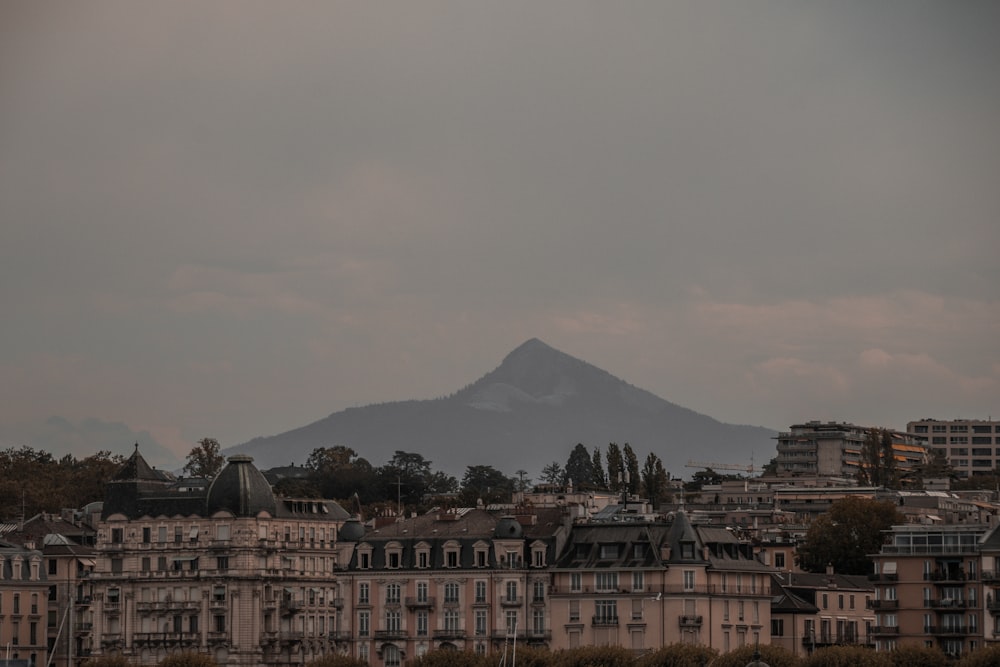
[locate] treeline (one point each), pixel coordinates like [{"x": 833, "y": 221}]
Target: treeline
[
  {"x": 671, "y": 655},
  {"x": 33, "y": 481}
]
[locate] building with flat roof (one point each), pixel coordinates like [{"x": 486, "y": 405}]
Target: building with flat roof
[
  {"x": 834, "y": 449},
  {"x": 970, "y": 445}
]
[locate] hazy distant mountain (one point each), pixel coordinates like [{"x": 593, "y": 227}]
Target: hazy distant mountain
[{"x": 532, "y": 410}]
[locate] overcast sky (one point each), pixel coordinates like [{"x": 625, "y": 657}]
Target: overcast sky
[{"x": 230, "y": 219}]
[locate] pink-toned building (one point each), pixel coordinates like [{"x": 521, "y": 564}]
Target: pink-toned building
[
  {"x": 643, "y": 585},
  {"x": 23, "y": 603}
]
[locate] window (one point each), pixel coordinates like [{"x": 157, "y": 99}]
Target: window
[
  {"x": 364, "y": 593},
  {"x": 421, "y": 623},
  {"x": 423, "y": 558},
  {"x": 779, "y": 559},
  {"x": 451, "y": 620},
  {"x": 116, "y": 565},
  {"x": 451, "y": 559},
  {"x": 538, "y": 592},
  {"x": 575, "y": 582},
  {"x": 145, "y": 564},
  {"x": 480, "y": 622},
  {"x": 394, "y": 560},
  {"x": 451, "y": 592},
  {"x": 117, "y": 535},
  {"x": 146, "y": 535},
  {"x": 221, "y": 532},
  {"x": 364, "y": 623},
  {"x": 480, "y": 557},
  {"x": 689, "y": 580},
  {"x": 219, "y": 622},
  {"x": 219, "y": 594},
  {"x": 606, "y": 581},
  {"x": 480, "y": 591},
  {"x": 574, "y": 610},
  {"x": 392, "y": 594},
  {"x": 638, "y": 582},
  {"x": 609, "y": 551},
  {"x": 777, "y": 627},
  {"x": 510, "y": 622},
  {"x": 538, "y": 621},
  {"x": 421, "y": 591},
  {"x": 222, "y": 563},
  {"x": 364, "y": 560},
  {"x": 606, "y": 612},
  {"x": 393, "y": 619}
]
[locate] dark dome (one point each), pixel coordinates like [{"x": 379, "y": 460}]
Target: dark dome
[
  {"x": 351, "y": 531},
  {"x": 241, "y": 489},
  {"x": 508, "y": 527}
]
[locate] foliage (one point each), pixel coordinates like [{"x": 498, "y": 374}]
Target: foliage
[
  {"x": 204, "y": 460},
  {"x": 408, "y": 479},
  {"x": 486, "y": 483},
  {"x": 775, "y": 656},
  {"x": 917, "y": 656},
  {"x": 616, "y": 468},
  {"x": 846, "y": 534},
  {"x": 593, "y": 656},
  {"x": 445, "y": 658},
  {"x": 847, "y": 656},
  {"x": 678, "y": 655},
  {"x": 552, "y": 473},
  {"x": 188, "y": 659},
  {"x": 337, "y": 661},
  {"x": 631, "y": 462},
  {"x": 878, "y": 464},
  {"x": 655, "y": 480},
  {"x": 108, "y": 661},
  {"x": 597, "y": 469},
  {"x": 984, "y": 657},
  {"x": 580, "y": 468},
  {"x": 32, "y": 481},
  {"x": 338, "y": 472}
]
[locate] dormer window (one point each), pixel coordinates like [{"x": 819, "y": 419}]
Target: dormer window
[
  {"x": 687, "y": 550},
  {"x": 609, "y": 551},
  {"x": 394, "y": 556}
]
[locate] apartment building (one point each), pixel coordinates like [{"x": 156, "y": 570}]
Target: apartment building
[
  {"x": 465, "y": 579},
  {"x": 929, "y": 587},
  {"x": 23, "y": 604},
  {"x": 833, "y": 449},
  {"x": 642, "y": 585},
  {"x": 970, "y": 445},
  {"x": 815, "y": 610},
  {"x": 228, "y": 569}
]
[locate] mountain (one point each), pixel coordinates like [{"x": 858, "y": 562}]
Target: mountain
[{"x": 531, "y": 410}]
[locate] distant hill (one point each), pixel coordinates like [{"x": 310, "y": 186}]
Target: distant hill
[{"x": 531, "y": 410}]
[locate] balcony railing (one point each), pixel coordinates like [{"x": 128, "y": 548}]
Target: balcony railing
[
  {"x": 419, "y": 602},
  {"x": 690, "y": 621},
  {"x": 516, "y": 601},
  {"x": 946, "y": 630},
  {"x": 604, "y": 621},
  {"x": 946, "y": 604},
  {"x": 397, "y": 633},
  {"x": 885, "y": 630},
  {"x": 883, "y": 604}
]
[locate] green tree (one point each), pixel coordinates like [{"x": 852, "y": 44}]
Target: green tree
[
  {"x": 593, "y": 656},
  {"x": 553, "y": 473},
  {"x": 204, "y": 460},
  {"x": 655, "y": 480},
  {"x": 616, "y": 468},
  {"x": 631, "y": 464},
  {"x": 580, "y": 468},
  {"x": 338, "y": 472},
  {"x": 188, "y": 659},
  {"x": 845, "y": 536},
  {"x": 678, "y": 655},
  {"x": 486, "y": 483},
  {"x": 600, "y": 479},
  {"x": 448, "y": 658}
]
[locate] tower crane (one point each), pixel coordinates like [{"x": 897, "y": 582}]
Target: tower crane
[{"x": 748, "y": 469}]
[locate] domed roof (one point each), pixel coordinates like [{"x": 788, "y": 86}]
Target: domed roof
[
  {"x": 351, "y": 531},
  {"x": 241, "y": 489},
  {"x": 508, "y": 527}
]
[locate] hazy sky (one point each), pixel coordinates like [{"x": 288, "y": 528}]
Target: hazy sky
[{"x": 230, "y": 219}]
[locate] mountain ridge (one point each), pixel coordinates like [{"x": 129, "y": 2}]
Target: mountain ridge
[{"x": 533, "y": 408}]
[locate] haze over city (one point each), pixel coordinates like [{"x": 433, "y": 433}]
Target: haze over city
[{"x": 231, "y": 219}]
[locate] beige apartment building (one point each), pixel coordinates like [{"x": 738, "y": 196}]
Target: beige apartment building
[
  {"x": 816, "y": 610},
  {"x": 833, "y": 449},
  {"x": 233, "y": 571},
  {"x": 643, "y": 585},
  {"x": 970, "y": 445}
]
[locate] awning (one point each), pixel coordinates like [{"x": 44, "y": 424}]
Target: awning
[
  {"x": 194, "y": 532},
  {"x": 87, "y": 562},
  {"x": 184, "y": 559},
  {"x": 889, "y": 568}
]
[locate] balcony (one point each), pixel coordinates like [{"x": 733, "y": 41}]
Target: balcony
[
  {"x": 883, "y": 604},
  {"x": 993, "y": 604},
  {"x": 947, "y": 604},
  {"x": 172, "y": 638},
  {"x": 84, "y": 628},
  {"x": 885, "y": 630},
  {"x": 690, "y": 621},
  {"x": 290, "y": 637},
  {"x": 511, "y": 601},
  {"x": 290, "y": 606},
  {"x": 604, "y": 621},
  {"x": 882, "y": 576},
  {"x": 953, "y": 630},
  {"x": 950, "y": 576},
  {"x": 449, "y": 635},
  {"x": 218, "y": 637},
  {"x": 83, "y": 601},
  {"x": 419, "y": 602},
  {"x": 111, "y": 638},
  {"x": 340, "y": 635},
  {"x": 396, "y": 633},
  {"x": 337, "y": 603}
]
